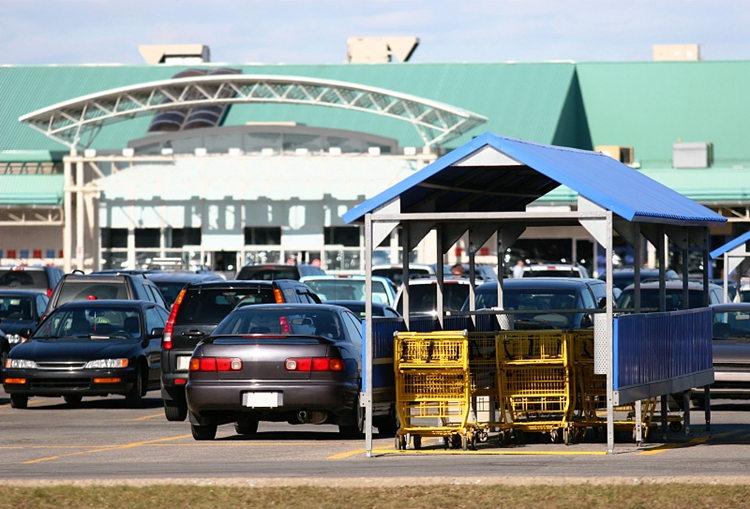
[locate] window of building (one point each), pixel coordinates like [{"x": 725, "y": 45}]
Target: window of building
[
  {"x": 114, "y": 237},
  {"x": 262, "y": 235},
  {"x": 221, "y": 143},
  {"x": 186, "y": 237},
  {"x": 347, "y": 145},
  {"x": 307, "y": 141},
  {"x": 147, "y": 237},
  {"x": 256, "y": 142},
  {"x": 347, "y": 236}
]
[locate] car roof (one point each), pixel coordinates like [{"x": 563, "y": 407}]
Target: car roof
[
  {"x": 671, "y": 284},
  {"x": 20, "y": 293},
  {"x": 340, "y": 302},
  {"x": 725, "y": 307},
  {"x": 541, "y": 283},
  {"x": 401, "y": 266},
  {"x": 105, "y": 276},
  {"x": 238, "y": 283},
  {"x": 342, "y": 277},
  {"x": 276, "y": 307},
  {"x": 105, "y": 303},
  {"x": 182, "y": 276},
  {"x": 431, "y": 280}
]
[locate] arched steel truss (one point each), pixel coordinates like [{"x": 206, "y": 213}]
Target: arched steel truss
[{"x": 76, "y": 122}]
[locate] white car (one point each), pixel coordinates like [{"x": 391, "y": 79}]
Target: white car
[
  {"x": 351, "y": 287},
  {"x": 554, "y": 270},
  {"x": 423, "y": 296}
]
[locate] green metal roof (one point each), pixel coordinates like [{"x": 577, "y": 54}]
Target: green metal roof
[
  {"x": 31, "y": 189},
  {"x": 651, "y": 105},
  {"x": 520, "y": 100}
]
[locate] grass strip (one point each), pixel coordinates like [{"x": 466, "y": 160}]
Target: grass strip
[{"x": 663, "y": 496}]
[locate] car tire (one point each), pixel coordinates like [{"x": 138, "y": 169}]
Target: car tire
[
  {"x": 134, "y": 399},
  {"x": 203, "y": 432},
  {"x": 19, "y": 401},
  {"x": 389, "y": 424},
  {"x": 175, "y": 410},
  {"x": 3, "y": 357},
  {"x": 356, "y": 430},
  {"x": 73, "y": 400},
  {"x": 246, "y": 427}
]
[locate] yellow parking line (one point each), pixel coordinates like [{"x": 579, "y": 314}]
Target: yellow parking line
[
  {"x": 106, "y": 449},
  {"x": 494, "y": 453},
  {"x": 160, "y": 414},
  {"x": 346, "y": 454}
]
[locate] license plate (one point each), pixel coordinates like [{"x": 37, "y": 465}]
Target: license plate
[
  {"x": 262, "y": 399},
  {"x": 183, "y": 362}
]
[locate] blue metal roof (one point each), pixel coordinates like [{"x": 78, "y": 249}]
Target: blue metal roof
[
  {"x": 444, "y": 186},
  {"x": 719, "y": 251}
]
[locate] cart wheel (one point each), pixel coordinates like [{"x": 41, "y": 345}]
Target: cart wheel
[
  {"x": 473, "y": 443},
  {"x": 567, "y": 436},
  {"x": 417, "y": 441},
  {"x": 555, "y": 436},
  {"x": 675, "y": 426},
  {"x": 400, "y": 442},
  {"x": 455, "y": 441},
  {"x": 519, "y": 437},
  {"x": 464, "y": 442}
]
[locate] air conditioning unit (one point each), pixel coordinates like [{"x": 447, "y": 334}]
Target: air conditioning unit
[
  {"x": 622, "y": 154},
  {"x": 692, "y": 155}
]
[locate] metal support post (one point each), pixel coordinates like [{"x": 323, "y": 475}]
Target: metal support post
[
  {"x": 610, "y": 339},
  {"x": 686, "y": 404},
  {"x": 68, "y": 214},
  {"x": 638, "y": 422},
  {"x": 80, "y": 218},
  {"x": 440, "y": 278},
  {"x": 664, "y": 415},
  {"x": 707, "y": 403},
  {"x": 368, "y": 335}
]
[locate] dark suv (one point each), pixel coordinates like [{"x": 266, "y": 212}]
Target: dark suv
[
  {"x": 197, "y": 311},
  {"x": 22, "y": 277},
  {"x": 267, "y": 272},
  {"x": 74, "y": 287}
]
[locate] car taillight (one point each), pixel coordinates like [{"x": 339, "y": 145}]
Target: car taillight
[
  {"x": 314, "y": 364},
  {"x": 278, "y": 296},
  {"x": 215, "y": 364},
  {"x": 166, "y": 342},
  {"x": 284, "y": 326}
]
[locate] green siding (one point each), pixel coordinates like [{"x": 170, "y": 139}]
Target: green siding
[
  {"x": 31, "y": 189},
  {"x": 651, "y": 105}
]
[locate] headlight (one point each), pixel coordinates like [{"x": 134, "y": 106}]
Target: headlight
[
  {"x": 20, "y": 364},
  {"x": 14, "y": 339},
  {"x": 106, "y": 364}
]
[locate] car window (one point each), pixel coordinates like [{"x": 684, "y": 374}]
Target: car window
[
  {"x": 354, "y": 326},
  {"x": 157, "y": 295},
  {"x": 153, "y": 319},
  {"x": 211, "y": 305},
  {"x": 423, "y": 298},
  {"x": 15, "y": 278},
  {"x": 170, "y": 290},
  {"x": 72, "y": 290},
  {"x": 589, "y": 301},
  {"x": 13, "y": 307}
]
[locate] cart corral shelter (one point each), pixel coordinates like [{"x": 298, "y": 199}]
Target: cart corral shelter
[
  {"x": 272, "y": 176},
  {"x": 484, "y": 188}
]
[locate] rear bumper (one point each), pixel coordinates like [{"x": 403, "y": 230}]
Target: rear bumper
[
  {"x": 65, "y": 383},
  {"x": 727, "y": 385},
  {"x": 336, "y": 398}
]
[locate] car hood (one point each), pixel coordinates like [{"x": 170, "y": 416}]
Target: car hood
[
  {"x": 728, "y": 351},
  {"x": 78, "y": 349}
]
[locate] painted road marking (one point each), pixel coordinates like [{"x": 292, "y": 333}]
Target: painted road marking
[
  {"x": 106, "y": 449},
  {"x": 144, "y": 418}
]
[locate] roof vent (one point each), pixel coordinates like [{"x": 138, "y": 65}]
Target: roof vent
[
  {"x": 179, "y": 54},
  {"x": 622, "y": 154},
  {"x": 692, "y": 155},
  {"x": 367, "y": 50}
]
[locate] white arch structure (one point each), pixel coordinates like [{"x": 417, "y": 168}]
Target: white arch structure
[{"x": 77, "y": 121}]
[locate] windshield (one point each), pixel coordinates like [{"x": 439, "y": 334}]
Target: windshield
[
  {"x": 72, "y": 290},
  {"x": 282, "y": 321},
  {"x": 732, "y": 325},
  {"x": 541, "y": 305},
  {"x": 94, "y": 323},
  {"x": 423, "y": 298},
  {"x": 16, "y": 278},
  {"x": 15, "y": 308},
  {"x": 650, "y": 298},
  {"x": 347, "y": 289}
]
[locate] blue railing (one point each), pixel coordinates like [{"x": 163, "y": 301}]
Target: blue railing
[{"x": 655, "y": 348}]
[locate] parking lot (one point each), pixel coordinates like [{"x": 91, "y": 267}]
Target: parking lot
[{"x": 102, "y": 440}]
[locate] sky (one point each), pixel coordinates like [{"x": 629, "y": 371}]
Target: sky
[{"x": 37, "y": 32}]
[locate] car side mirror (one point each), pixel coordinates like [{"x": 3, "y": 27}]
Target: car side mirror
[
  {"x": 156, "y": 332},
  {"x": 602, "y": 303},
  {"x": 25, "y": 334},
  {"x": 587, "y": 321}
]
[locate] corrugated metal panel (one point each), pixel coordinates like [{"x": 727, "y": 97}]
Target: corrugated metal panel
[
  {"x": 730, "y": 245},
  {"x": 31, "y": 189},
  {"x": 520, "y": 100},
  {"x": 651, "y": 105}
]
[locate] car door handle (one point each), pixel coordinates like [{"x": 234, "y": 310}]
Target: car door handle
[{"x": 193, "y": 333}]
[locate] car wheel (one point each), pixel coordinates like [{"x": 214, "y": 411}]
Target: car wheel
[
  {"x": 3, "y": 357},
  {"x": 203, "y": 432},
  {"x": 246, "y": 427},
  {"x": 357, "y": 429},
  {"x": 73, "y": 400},
  {"x": 390, "y": 424},
  {"x": 134, "y": 399},
  {"x": 19, "y": 401},
  {"x": 175, "y": 410}
]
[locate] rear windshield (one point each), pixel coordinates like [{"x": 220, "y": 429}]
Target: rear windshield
[
  {"x": 72, "y": 290},
  {"x": 23, "y": 278},
  {"x": 212, "y": 305},
  {"x": 268, "y": 273},
  {"x": 283, "y": 321},
  {"x": 531, "y": 299},
  {"x": 423, "y": 298},
  {"x": 650, "y": 298},
  {"x": 347, "y": 289},
  {"x": 396, "y": 274},
  {"x": 16, "y": 308}
]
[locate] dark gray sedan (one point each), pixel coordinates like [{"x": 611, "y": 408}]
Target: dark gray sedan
[
  {"x": 731, "y": 351},
  {"x": 297, "y": 363}
]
